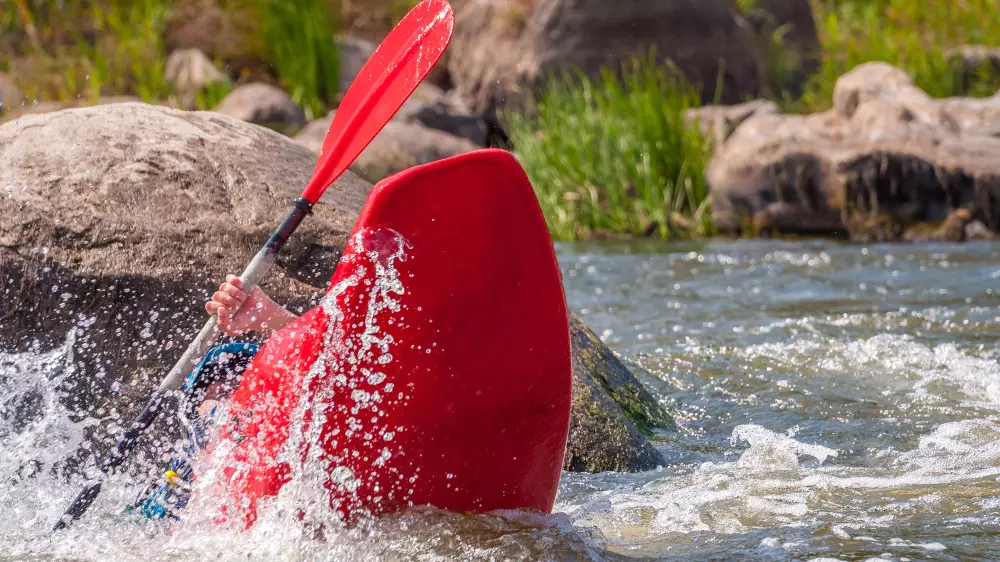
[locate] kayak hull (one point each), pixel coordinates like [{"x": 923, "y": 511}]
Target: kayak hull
[{"x": 437, "y": 371}]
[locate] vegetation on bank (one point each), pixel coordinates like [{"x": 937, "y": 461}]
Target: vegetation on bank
[
  {"x": 605, "y": 155},
  {"x": 915, "y": 36},
  {"x": 614, "y": 155},
  {"x": 65, "y": 51}
]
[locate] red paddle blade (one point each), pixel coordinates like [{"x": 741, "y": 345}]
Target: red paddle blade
[{"x": 396, "y": 68}]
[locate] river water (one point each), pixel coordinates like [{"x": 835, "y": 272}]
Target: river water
[{"x": 834, "y": 402}]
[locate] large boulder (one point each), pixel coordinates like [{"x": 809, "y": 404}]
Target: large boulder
[
  {"x": 887, "y": 162},
  {"x": 503, "y": 49},
  {"x": 786, "y": 33},
  {"x": 117, "y": 223}
]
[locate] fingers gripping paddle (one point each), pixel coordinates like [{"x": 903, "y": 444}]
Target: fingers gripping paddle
[{"x": 396, "y": 68}]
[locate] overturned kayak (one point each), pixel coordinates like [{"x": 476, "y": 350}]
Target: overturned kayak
[{"x": 436, "y": 370}]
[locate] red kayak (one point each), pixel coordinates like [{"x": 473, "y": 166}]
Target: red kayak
[{"x": 436, "y": 371}]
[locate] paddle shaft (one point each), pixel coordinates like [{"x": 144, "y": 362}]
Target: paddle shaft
[{"x": 251, "y": 276}]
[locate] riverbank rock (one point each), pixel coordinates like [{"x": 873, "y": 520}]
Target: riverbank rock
[
  {"x": 502, "y": 49},
  {"x": 223, "y": 32},
  {"x": 444, "y": 111},
  {"x": 786, "y": 33},
  {"x": 886, "y": 162},
  {"x": 120, "y": 238},
  {"x": 10, "y": 96},
  {"x": 266, "y": 105},
  {"x": 403, "y": 145},
  {"x": 189, "y": 71},
  {"x": 398, "y": 146},
  {"x": 717, "y": 122},
  {"x": 354, "y": 53}
]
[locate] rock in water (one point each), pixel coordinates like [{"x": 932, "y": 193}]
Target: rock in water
[
  {"x": 119, "y": 221},
  {"x": 602, "y": 436}
]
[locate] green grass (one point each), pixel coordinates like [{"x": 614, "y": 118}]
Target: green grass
[
  {"x": 68, "y": 51},
  {"x": 609, "y": 155},
  {"x": 299, "y": 36},
  {"x": 64, "y": 51},
  {"x": 133, "y": 63},
  {"x": 613, "y": 156},
  {"x": 911, "y": 34}
]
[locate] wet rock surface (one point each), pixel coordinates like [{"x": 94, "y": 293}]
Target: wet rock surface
[
  {"x": 887, "y": 162},
  {"x": 611, "y": 413},
  {"x": 121, "y": 237}
]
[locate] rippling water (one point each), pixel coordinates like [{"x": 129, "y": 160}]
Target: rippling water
[{"x": 834, "y": 402}]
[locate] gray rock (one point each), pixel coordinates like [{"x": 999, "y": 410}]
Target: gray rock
[
  {"x": 503, "y": 49},
  {"x": 398, "y": 146},
  {"x": 266, "y": 105},
  {"x": 717, "y": 122},
  {"x": 117, "y": 222},
  {"x": 403, "y": 145},
  {"x": 444, "y": 112},
  {"x": 354, "y": 53},
  {"x": 887, "y": 162},
  {"x": 120, "y": 220},
  {"x": 189, "y": 71},
  {"x": 786, "y": 33}
]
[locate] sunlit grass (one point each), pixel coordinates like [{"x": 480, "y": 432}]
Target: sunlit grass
[
  {"x": 300, "y": 38},
  {"x": 911, "y": 34},
  {"x": 616, "y": 154}
]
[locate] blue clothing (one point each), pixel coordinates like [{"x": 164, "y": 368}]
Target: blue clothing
[{"x": 222, "y": 364}]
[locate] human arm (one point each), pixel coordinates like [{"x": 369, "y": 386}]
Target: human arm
[{"x": 258, "y": 312}]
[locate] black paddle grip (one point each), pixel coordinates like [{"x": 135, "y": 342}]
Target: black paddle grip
[{"x": 300, "y": 208}]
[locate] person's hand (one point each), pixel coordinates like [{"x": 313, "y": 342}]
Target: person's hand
[{"x": 256, "y": 311}]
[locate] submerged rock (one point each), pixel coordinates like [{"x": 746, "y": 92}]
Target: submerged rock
[
  {"x": 119, "y": 221},
  {"x": 604, "y": 437},
  {"x": 887, "y": 162}
]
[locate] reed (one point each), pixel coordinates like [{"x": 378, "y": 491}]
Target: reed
[{"x": 615, "y": 154}]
